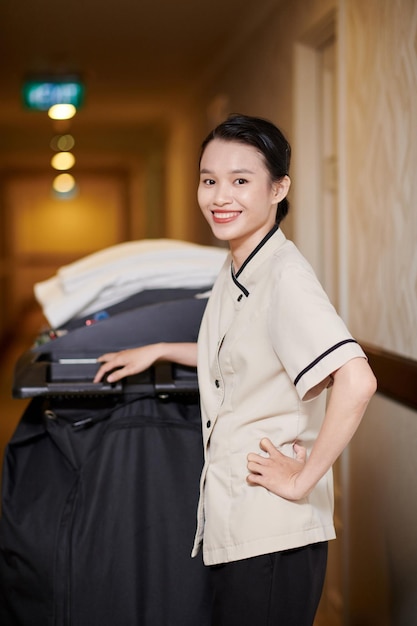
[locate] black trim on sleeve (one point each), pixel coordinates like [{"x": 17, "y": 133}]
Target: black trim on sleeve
[{"x": 322, "y": 356}]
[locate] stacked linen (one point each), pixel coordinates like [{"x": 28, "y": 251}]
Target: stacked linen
[{"x": 107, "y": 277}]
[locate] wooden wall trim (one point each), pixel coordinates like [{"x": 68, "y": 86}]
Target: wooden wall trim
[{"x": 396, "y": 375}]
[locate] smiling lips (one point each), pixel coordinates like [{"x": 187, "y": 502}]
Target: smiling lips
[{"x": 221, "y": 217}]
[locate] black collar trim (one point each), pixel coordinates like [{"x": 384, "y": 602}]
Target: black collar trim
[
  {"x": 238, "y": 284},
  {"x": 256, "y": 250}
]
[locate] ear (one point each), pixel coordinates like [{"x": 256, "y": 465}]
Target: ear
[{"x": 281, "y": 188}]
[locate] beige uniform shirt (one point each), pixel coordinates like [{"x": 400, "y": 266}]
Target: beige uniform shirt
[{"x": 268, "y": 343}]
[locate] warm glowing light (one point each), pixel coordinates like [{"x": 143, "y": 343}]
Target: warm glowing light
[
  {"x": 63, "y": 161},
  {"x": 62, "y": 111},
  {"x": 63, "y": 183},
  {"x": 62, "y": 142}
]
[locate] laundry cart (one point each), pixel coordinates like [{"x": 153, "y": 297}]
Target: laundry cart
[{"x": 100, "y": 480}]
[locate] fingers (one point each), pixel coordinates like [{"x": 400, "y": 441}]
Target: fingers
[
  {"x": 267, "y": 446},
  {"x": 257, "y": 460},
  {"x": 110, "y": 362},
  {"x": 106, "y": 357},
  {"x": 256, "y": 463},
  {"x": 107, "y": 367},
  {"x": 300, "y": 452},
  {"x": 256, "y": 479},
  {"x": 126, "y": 362},
  {"x": 275, "y": 471},
  {"x": 260, "y": 466}
]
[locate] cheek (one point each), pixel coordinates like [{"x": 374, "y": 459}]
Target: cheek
[{"x": 202, "y": 197}]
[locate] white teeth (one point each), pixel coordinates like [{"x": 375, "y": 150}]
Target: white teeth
[{"x": 225, "y": 216}]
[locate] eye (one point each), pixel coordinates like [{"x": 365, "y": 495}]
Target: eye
[
  {"x": 208, "y": 181},
  {"x": 241, "y": 181}
]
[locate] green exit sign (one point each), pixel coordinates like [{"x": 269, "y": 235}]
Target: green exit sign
[{"x": 40, "y": 95}]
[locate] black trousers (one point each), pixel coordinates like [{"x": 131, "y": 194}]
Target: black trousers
[{"x": 279, "y": 589}]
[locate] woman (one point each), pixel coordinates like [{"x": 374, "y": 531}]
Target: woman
[{"x": 270, "y": 343}]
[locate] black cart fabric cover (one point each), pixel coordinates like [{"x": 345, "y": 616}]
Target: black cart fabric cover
[{"x": 99, "y": 495}]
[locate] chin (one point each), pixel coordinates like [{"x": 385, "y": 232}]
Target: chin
[{"x": 221, "y": 235}]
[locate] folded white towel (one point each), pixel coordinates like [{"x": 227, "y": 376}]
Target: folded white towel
[{"x": 109, "y": 276}]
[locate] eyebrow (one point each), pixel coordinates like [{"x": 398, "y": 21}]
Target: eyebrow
[{"x": 237, "y": 171}]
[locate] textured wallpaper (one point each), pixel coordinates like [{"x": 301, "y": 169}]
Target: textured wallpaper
[{"x": 382, "y": 172}]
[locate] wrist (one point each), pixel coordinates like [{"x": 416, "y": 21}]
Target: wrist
[
  {"x": 302, "y": 485},
  {"x": 161, "y": 351}
]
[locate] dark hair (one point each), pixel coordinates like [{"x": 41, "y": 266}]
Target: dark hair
[{"x": 266, "y": 138}]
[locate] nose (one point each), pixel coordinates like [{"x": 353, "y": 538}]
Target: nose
[{"x": 222, "y": 194}]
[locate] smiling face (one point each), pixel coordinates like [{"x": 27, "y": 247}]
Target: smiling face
[{"x": 236, "y": 195}]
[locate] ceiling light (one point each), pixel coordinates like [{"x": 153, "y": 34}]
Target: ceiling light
[
  {"x": 62, "y": 142},
  {"x": 63, "y": 183},
  {"x": 63, "y": 161},
  {"x": 62, "y": 111}
]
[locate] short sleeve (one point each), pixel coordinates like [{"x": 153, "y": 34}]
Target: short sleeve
[{"x": 309, "y": 337}]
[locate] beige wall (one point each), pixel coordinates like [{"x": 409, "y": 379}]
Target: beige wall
[
  {"x": 381, "y": 192},
  {"x": 382, "y": 162}
]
